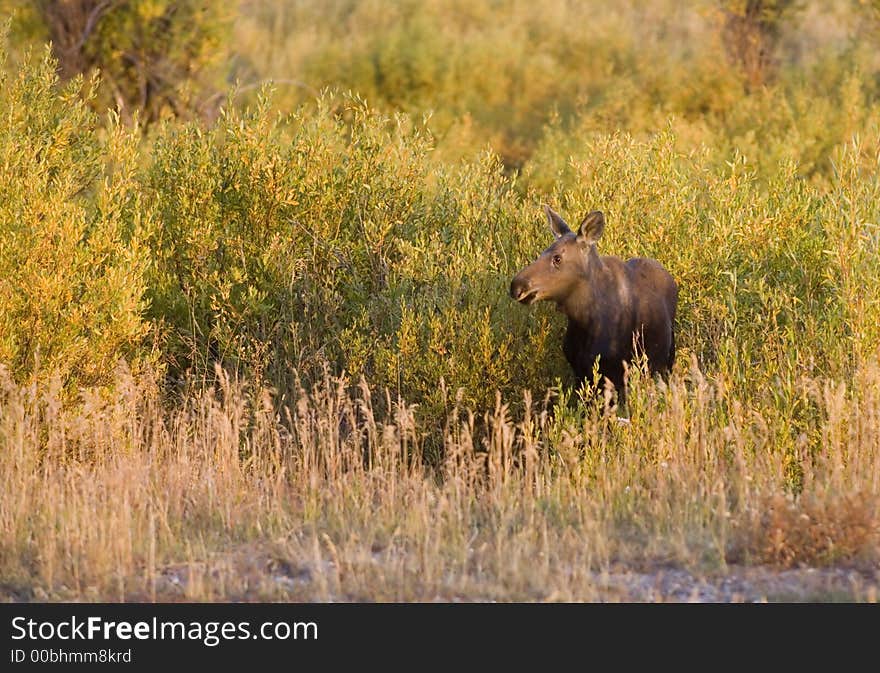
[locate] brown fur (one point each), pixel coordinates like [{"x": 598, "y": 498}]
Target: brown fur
[{"x": 613, "y": 307}]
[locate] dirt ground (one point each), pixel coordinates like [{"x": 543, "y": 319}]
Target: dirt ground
[
  {"x": 744, "y": 584},
  {"x": 257, "y": 574},
  {"x": 266, "y": 577}
]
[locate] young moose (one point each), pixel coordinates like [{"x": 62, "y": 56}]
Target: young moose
[{"x": 613, "y": 307}]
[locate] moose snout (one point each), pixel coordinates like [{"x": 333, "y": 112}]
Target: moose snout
[{"x": 520, "y": 288}]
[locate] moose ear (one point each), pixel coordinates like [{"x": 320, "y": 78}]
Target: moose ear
[
  {"x": 592, "y": 227},
  {"x": 557, "y": 224}
]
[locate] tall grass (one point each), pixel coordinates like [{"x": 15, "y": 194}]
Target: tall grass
[{"x": 224, "y": 497}]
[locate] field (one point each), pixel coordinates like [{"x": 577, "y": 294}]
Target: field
[{"x": 256, "y": 341}]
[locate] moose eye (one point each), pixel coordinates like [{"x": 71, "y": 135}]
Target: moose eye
[{"x": 557, "y": 260}]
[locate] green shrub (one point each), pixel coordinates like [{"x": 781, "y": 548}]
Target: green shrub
[
  {"x": 331, "y": 239},
  {"x": 71, "y": 217},
  {"x": 489, "y": 72},
  {"x": 335, "y": 237}
]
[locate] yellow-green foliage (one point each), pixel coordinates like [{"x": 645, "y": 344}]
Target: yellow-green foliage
[
  {"x": 278, "y": 244},
  {"x": 490, "y": 71},
  {"x": 330, "y": 238},
  {"x": 497, "y": 73},
  {"x": 71, "y": 286}
]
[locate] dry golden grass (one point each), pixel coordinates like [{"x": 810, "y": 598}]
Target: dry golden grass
[{"x": 223, "y": 497}]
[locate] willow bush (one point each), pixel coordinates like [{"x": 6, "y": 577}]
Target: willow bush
[
  {"x": 72, "y": 217},
  {"x": 328, "y": 238},
  {"x": 331, "y": 237},
  {"x": 281, "y": 245}
]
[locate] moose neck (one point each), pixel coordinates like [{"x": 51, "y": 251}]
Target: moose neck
[{"x": 580, "y": 303}]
